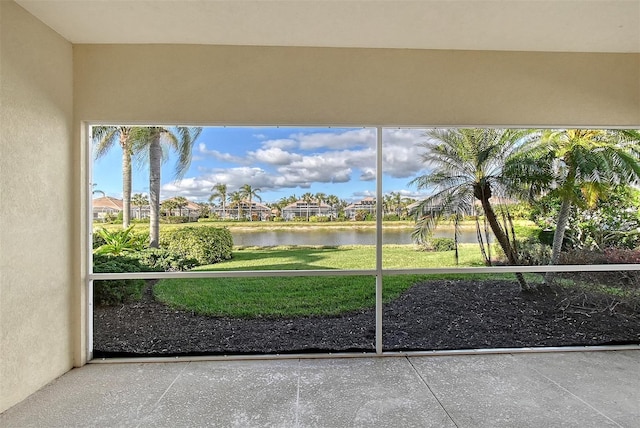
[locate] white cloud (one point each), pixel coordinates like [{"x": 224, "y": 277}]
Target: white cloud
[
  {"x": 401, "y": 155},
  {"x": 225, "y": 157},
  {"x": 368, "y": 174},
  {"x": 280, "y": 144},
  {"x": 274, "y": 156},
  {"x": 328, "y": 140}
]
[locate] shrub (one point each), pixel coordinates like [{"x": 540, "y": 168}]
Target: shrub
[
  {"x": 116, "y": 291},
  {"x": 532, "y": 252},
  {"x": 582, "y": 257},
  {"x": 208, "y": 219},
  {"x": 205, "y": 244},
  {"x": 609, "y": 256},
  {"x": 318, "y": 219},
  {"x": 440, "y": 244},
  {"x": 363, "y": 215},
  {"x": 622, "y": 256},
  {"x": 98, "y": 240},
  {"x": 174, "y": 219},
  {"x": 161, "y": 259}
]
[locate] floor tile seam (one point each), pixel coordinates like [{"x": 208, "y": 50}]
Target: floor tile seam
[
  {"x": 424, "y": 381},
  {"x": 586, "y": 403},
  {"x": 155, "y": 405},
  {"x": 297, "y": 410}
]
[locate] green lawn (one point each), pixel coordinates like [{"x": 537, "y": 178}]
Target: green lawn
[
  {"x": 305, "y": 296},
  {"x": 343, "y": 257}
]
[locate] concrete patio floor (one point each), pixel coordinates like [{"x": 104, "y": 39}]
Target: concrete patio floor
[{"x": 573, "y": 389}]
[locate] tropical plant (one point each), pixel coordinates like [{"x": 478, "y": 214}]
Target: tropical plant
[
  {"x": 613, "y": 222},
  {"x": 581, "y": 166},
  {"x": 466, "y": 165},
  {"x": 220, "y": 192},
  {"x": 152, "y": 144},
  {"x": 104, "y": 138},
  {"x": 117, "y": 242},
  {"x": 248, "y": 192},
  {"x": 94, "y": 191}
]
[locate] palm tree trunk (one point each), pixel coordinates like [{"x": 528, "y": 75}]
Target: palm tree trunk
[
  {"x": 558, "y": 236},
  {"x": 126, "y": 188},
  {"x": 502, "y": 239},
  {"x": 155, "y": 160}
]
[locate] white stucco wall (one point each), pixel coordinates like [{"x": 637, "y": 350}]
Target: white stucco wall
[{"x": 37, "y": 272}]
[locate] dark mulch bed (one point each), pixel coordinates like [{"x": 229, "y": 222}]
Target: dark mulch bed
[{"x": 436, "y": 315}]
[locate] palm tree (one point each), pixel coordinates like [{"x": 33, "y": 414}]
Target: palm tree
[
  {"x": 235, "y": 199},
  {"x": 168, "y": 206},
  {"x": 249, "y": 193},
  {"x": 387, "y": 201},
  {"x": 139, "y": 200},
  {"x": 94, "y": 191},
  {"x": 181, "y": 202},
  {"x": 398, "y": 202},
  {"x": 333, "y": 202},
  {"x": 308, "y": 198},
  {"x": 220, "y": 192},
  {"x": 155, "y": 141},
  {"x": 104, "y": 138},
  {"x": 466, "y": 165},
  {"x": 580, "y": 166},
  {"x": 321, "y": 197}
]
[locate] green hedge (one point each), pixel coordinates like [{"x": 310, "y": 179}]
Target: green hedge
[
  {"x": 174, "y": 219},
  {"x": 440, "y": 244},
  {"x": 113, "y": 292},
  {"x": 160, "y": 259},
  {"x": 205, "y": 244},
  {"x": 116, "y": 291}
]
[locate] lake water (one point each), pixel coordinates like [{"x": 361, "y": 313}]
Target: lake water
[{"x": 335, "y": 237}]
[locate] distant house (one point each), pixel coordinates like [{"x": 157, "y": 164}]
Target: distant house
[
  {"x": 105, "y": 206},
  {"x": 258, "y": 211},
  {"x": 191, "y": 210},
  {"x": 305, "y": 209},
  {"x": 367, "y": 204}
]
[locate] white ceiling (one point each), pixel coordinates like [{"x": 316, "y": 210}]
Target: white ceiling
[{"x": 521, "y": 25}]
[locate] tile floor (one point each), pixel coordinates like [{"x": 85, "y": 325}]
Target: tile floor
[{"x": 572, "y": 389}]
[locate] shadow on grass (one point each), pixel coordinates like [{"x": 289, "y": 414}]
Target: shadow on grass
[{"x": 288, "y": 258}]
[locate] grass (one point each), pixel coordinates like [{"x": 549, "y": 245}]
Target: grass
[
  {"x": 312, "y": 295},
  {"x": 292, "y": 296}
]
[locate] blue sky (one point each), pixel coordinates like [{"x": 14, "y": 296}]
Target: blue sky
[{"x": 281, "y": 161}]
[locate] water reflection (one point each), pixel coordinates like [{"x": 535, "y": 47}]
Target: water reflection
[{"x": 335, "y": 237}]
